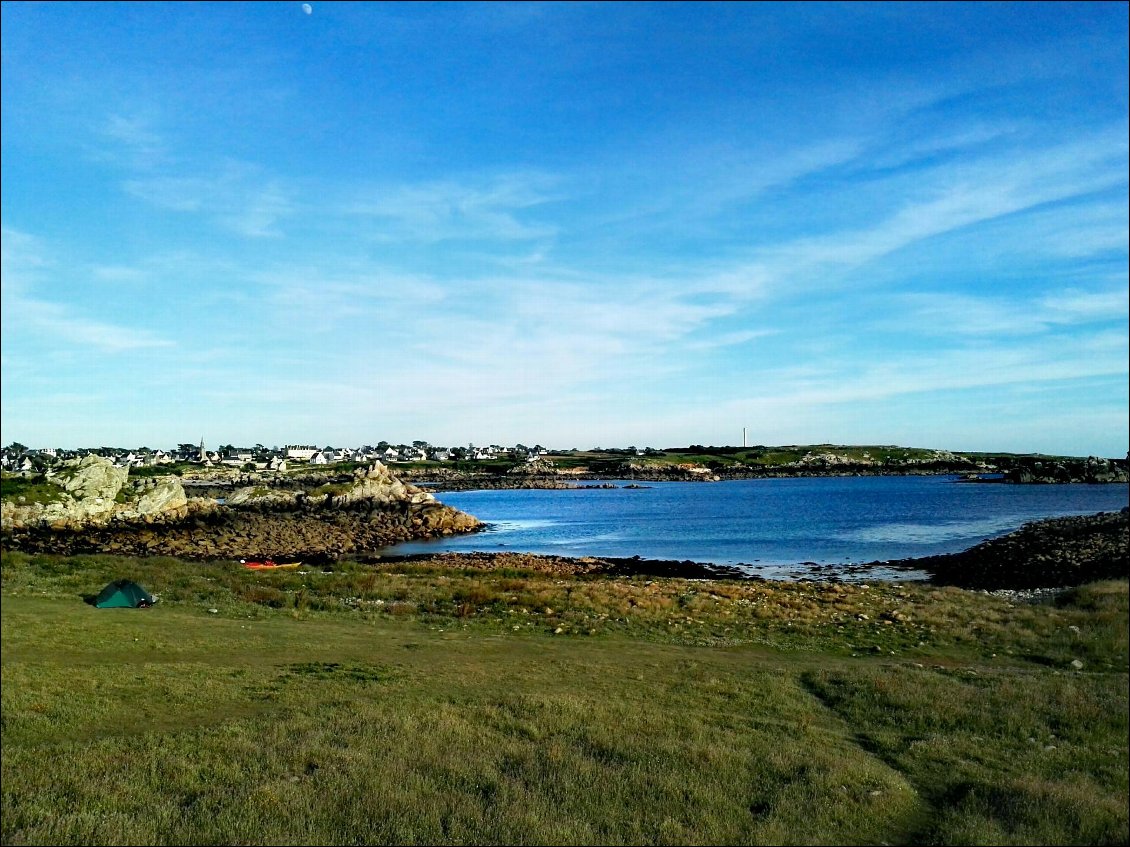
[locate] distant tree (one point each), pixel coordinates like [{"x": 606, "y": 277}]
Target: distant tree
[
  {"x": 16, "y": 447},
  {"x": 421, "y": 445}
]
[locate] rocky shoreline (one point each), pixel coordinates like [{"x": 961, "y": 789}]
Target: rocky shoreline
[
  {"x": 95, "y": 510},
  {"x": 569, "y": 566},
  {"x": 1042, "y": 555},
  {"x": 1016, "y": 470},
  {"x": 371, "y": 509},
  {"x": 307, "y": 535}
]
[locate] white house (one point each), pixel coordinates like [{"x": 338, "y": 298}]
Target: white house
[{"x": 300, "y": 452}]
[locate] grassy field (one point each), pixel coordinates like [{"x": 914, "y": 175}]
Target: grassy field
[{"x": 442, "y": 702}]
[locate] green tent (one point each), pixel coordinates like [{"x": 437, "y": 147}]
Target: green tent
[{"x": 124, "y": 593}]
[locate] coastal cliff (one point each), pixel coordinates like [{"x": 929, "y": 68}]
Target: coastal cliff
[{"x": 93, "y": 507}]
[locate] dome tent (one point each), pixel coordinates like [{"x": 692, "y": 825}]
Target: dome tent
[{"x": 123, "y": 593}]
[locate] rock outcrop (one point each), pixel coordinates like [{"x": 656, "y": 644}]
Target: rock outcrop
[
  {"x": 93, "y": 479},
  {"x": 158, "y": 499},
  {"x": 1089, "y": 470},
  {"x": 370, "y": 511},
  {"x": 830, "y": 460},
  {"x": 93, "y": 492}
]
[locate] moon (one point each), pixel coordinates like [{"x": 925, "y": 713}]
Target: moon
[{"x": 307, "y": 8}]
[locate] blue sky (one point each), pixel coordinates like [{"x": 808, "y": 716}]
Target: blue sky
[{"x": 574, "y": 224}]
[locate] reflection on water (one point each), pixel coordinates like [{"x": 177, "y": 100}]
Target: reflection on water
[{"x": 920, "y": 533}]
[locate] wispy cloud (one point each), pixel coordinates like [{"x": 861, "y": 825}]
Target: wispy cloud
[
  {"x": 946, "y": 314},
  {"x": 237, "y": 196},
  {"x": 949, "y": 198},
  {"x": 329, "y": 295},
  {"x": 119, "y": 274},
  {"x": 928, "y": 373},
  {"x": 478, "y": 208},
  {"x": 59, "y": 323},
  {"x": 1073, "y": 306},
  {"x": 22, "y": 265},
  {"x": 730, "y": 339},
  {"x": 133, "y": 142}
]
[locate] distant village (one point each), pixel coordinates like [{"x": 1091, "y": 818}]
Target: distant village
[{"x": 17, "y": 457}]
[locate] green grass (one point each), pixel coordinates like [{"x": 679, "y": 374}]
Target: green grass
[
  {"x": 330, "y": 489},
  {"x": 440, "y": 702},
  {"x": 754, "y": 457},
  {"x": 169, "y": 469},
  {"x": 27, "y": 490}
]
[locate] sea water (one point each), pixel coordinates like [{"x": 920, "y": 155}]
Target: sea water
[{"x": 764, "y": 525}]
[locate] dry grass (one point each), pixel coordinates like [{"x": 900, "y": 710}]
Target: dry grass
[{"x": 429, "y": 703}]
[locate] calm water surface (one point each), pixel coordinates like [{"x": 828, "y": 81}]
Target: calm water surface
[{"x": 765, "y": 524}]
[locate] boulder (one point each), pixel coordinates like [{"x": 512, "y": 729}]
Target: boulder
[
  {"x": 164, "y": 500},
  {"x": 93, "y": 479}
]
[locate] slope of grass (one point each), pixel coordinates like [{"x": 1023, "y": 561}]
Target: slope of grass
[{"x": 432, "y": 703}]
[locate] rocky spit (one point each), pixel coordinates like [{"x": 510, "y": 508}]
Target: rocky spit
[
  {"x": 1038, "y": 559},
  {"x": 1044, "y": 554},
  {"x": 98, "y": 510}
]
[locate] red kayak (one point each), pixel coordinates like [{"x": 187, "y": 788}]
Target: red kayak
[{"x": 267, "y": 564}]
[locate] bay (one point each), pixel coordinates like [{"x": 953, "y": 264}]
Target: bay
[{"x": 765, "y": 526}]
